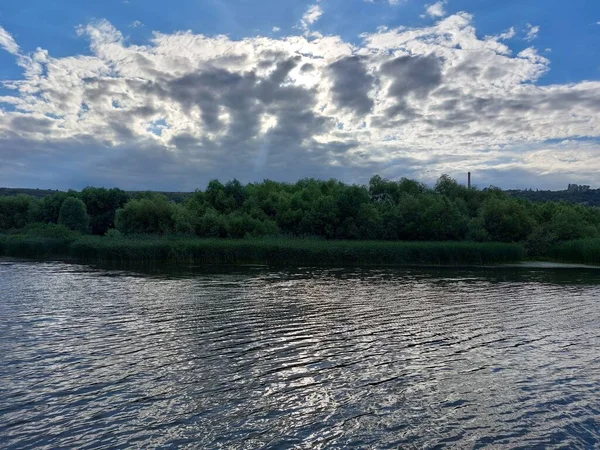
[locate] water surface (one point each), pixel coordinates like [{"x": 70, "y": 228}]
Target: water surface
[{"x": 298, "y": 358}]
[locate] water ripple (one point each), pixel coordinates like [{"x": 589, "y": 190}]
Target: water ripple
[{"x": 306, "y": 358}]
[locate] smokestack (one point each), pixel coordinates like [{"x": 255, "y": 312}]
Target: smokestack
[{"x": 469, "y": 180}]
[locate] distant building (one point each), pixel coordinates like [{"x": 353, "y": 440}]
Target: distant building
[{"x": 578, "y": 188}]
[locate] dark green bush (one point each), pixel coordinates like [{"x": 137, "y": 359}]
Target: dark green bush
[{"x": 147, "y": 216}]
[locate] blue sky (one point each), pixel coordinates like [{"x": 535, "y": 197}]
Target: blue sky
[{"x": 550, "y": 46}]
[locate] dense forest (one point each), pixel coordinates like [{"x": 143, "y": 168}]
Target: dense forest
[{"x": 403, "y": 210}]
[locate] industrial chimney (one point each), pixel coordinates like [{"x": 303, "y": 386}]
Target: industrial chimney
[{"x": 469, "y": 180}]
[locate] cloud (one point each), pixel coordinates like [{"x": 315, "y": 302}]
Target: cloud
[
  {"x": 532, "y": 32},
  {"x": 137, "y": 24},
  {"x": 276, "y": 29},
  {"x": 506, "y": 35},
  {"x": 312, "y": 14},
  {"x": 352, "y": 85},
  {"x": 7, "y": 42},
  {"x": 436, "y": 10},
  {"x": 183, "y": 108}
]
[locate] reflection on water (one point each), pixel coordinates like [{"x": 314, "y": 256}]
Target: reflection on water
[{"x": 308, "y": 358}]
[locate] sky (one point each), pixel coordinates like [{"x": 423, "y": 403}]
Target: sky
[{"x": 149, "y": 94}]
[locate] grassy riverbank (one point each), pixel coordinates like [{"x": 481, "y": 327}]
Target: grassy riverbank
[
  {"x": 278, "y": 251},
  {"x": 582, "y": 251}
]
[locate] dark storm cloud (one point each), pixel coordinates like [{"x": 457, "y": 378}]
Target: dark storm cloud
[
  {"x": 413, "y": 75},
  {"x": 351, "y": 85}
]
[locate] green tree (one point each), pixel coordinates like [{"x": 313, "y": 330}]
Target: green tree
[
  {"x": 506, "y": 220},
  {"x": 146, "y": 216},
  {"x": 15, "y": 211},
  {"x": 102, "y": 205},
  {"x": 49, "y": 207},
  {"x": 211, "y": 224},
  {"x": 73, "y": 215}
]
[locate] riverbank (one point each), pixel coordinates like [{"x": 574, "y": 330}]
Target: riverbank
[
  {"x": 582, "y": 251},
  {"x": 275, "y": 251}
]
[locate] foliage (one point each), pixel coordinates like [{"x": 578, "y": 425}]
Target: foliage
[
  {"x": 102, "y": 205},
  {"x": 73, "y": 215},
  {"x": 588, "y": 198},
  {"x": 382, "y": 210},
  {"x": 153, "y": 215},
  {"x": 113, "y": 234},
  {"x": 49, "y": 230},
  {"x": 506, "y": 220},
  {"x": 15, "y": 212},
  {"x": 49, "y": 207}
]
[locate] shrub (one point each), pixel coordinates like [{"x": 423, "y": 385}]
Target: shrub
[
  {"x": 113, "y": 233},
  {"x": 49, "y": 230},
  {"x": 152, "y": 215},
  {"x": 15, "y": 211}
]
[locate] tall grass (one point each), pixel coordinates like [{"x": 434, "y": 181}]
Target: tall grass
[
  {"x": 34, "y": 246},
  {"x": 274, "y": 251},
  {"x": 583, "y": 251}
]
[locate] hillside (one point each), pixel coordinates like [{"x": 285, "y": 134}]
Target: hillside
[
  {"x": 590, "y": 197},
  {"x": 177, "y": 197}
]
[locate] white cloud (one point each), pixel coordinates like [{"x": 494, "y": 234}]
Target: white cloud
[
  {"x": 506, "y": 35},
  {"x": 137, "y": 24},
  {"x": 532, "y": 32},
  {"x": 436, "y": 10},
  {"x": 312, "y": 14},
  {"x": 183, "y": 106},
  {"x": 276, "y": 29},
  {"x": 7, "y": 42}
]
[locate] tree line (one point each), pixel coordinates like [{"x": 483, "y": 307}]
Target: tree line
[
  {"x": 589, "y": 198},
  {"x": 403, "y": 210}
]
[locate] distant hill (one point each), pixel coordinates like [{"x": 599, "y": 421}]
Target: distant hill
[
  {"x": 177, "y": 197},
  {"x": 590, "y": 197},
  {"x": 37, "y": 193}
]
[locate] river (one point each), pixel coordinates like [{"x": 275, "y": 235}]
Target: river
[{"x": 260, "y": 357}]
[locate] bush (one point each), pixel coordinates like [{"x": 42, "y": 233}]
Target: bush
[
  {"x": 102, "y": 205},
  {"x": 113, "y": 234},
  {"x": 49, "y": 230},
  {"x": 15, "y": 211},
  {"x": 211, "y": 224},
  {"x": 506, "y": 220},
  {"x": 185, "y": 221},
  {"x": 152, "y": 215},
  {"x": 240, "y": 225}
]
